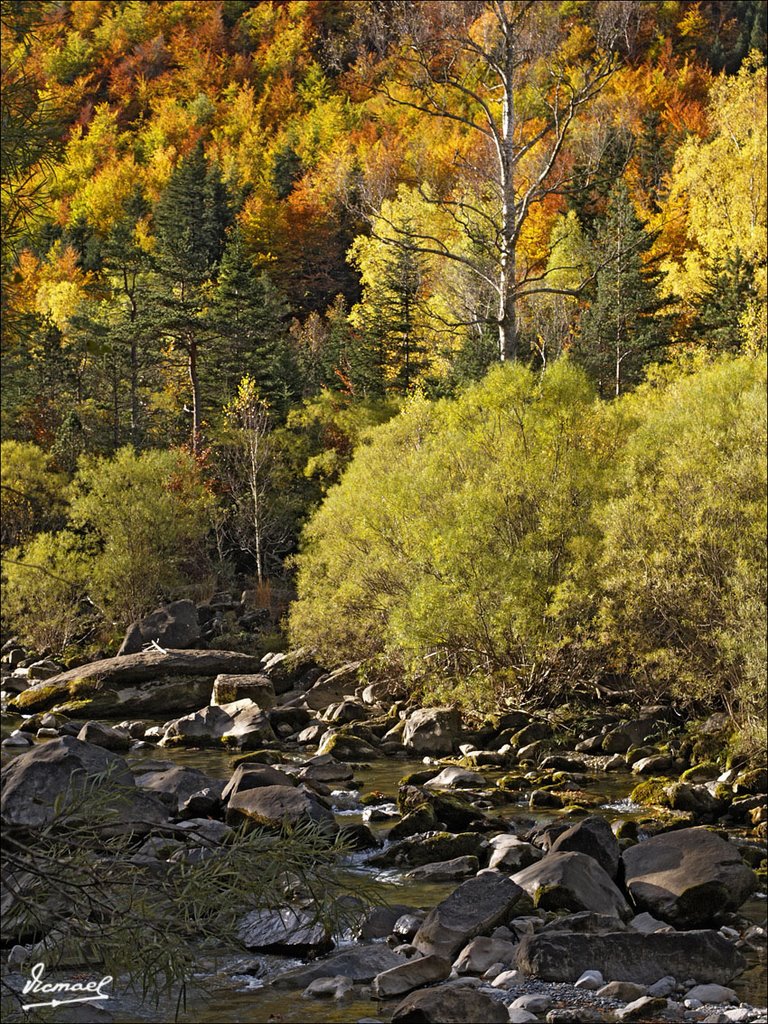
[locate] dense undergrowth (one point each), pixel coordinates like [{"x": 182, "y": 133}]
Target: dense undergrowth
[{"x": 527, "y": 537}]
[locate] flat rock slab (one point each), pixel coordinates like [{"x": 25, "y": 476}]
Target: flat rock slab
[
  {"x": 450, "y": 1004},
  {"x": 629, "y": 956},
  {"x": 688, "y": 878},
  {"x": 360, "y": 963},
  {"x": 415, "y": 973},
  {"x": 474, "y": 908},
  {"x": 138, "y": 683}
]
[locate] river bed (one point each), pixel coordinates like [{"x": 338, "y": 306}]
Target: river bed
[{"x": 221, "y": 993}]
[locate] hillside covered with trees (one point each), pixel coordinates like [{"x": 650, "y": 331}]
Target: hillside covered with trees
[{"x": 439, "y": 325}]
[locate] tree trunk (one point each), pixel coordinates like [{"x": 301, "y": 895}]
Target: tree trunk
[
  {"x": 194, "y": 381},
  {"x": 506, "y": 155}
]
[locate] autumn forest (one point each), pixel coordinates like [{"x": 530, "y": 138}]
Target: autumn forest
[{"x": 439, "y": 324}]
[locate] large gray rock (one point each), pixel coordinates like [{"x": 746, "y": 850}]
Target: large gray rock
[
  {"x": 432, "y": 731},
  {"x": 101, "y": 735},
  {"x": 630, "y": 734},
  {"x": 450, "y": 1004},
  {"x": 511, "y": 854},
  {"x": 454, "y": 777},
  {"x": 630, "y": 956},
  {"x": 476, "y": 907},
  {"x": 360, "y": 963},
  {"x": 257, "y": 687},
  {"x": 55, "y": 773},
  {"x": 275, "y": 807},
  {"x": 291, "y": 927},
  {"x": 179, "y": 782},
  {"x": 296, "y": 669},
  {"x": 241, "y": 725},
  {"x": 572, "y": 881},
  {"x": 593, "y": 836},
  {"x": 688, "y": 878},
  {"x": 415, "y": 973},
  {"x": 255, "y": 776},
  {"x": 173, "y": 625},
  {"x": 149, "y": 683},
  {"x": 332, "y": 688}
]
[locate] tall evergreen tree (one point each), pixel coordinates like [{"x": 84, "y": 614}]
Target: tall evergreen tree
[
  {"x": 729, "y": 287},
  {"x": 625, "y": 326},
  {"x": 250, "y": 318},
  {"x": 191, "y": 219}
]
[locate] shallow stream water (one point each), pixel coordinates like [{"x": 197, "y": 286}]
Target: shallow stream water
[{"x": 222, "y": 994}]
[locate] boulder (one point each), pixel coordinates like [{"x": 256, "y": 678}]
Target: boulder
[
  {"x": 55, "y": 773},
  {"x": 181, "y": 783},
  {"x": 360, "y": 963},
  {"x": 332, "y": 688},
  {"x": 643, "y": 1009},
  {"x": 629, "y": 956},
  {"x": 572, "y": 881},
  {"x": 475, "y": 908},
  {"x": 432, "y": 730},
  {"x": 148, "y": 683},
  {"x": 430, "y": 848},
  {"x": 253, "y": 777},
  {"x": 689, "y": 878},
  {"x": 345, "y": 746},
  {"x": 328, "y": 988},
  {"x": 228, "y": 687},
  {"x": 173, "y": 625},
  {"x": 288, "y": 927},
  {"x": 629, "y": 734},
  {"x": 456, "y": 778},
  {"x": 105, "y": 736},
  {"x": 274, "y": 807},
  {"x": 241, "y": 725},
  {"x": 450, "y": 1004},
  {"x": 511, "y": 854},
  {"x": 379, "y": 922},
  {"x": 593, "y": 836},
  {"x": 415, "y": 973},
  {"x": 712, "y": 994},
  {"x": 294, "y": 670},
  {"x": 482, "y": 952},
  {"x": 445, "y": 870}
]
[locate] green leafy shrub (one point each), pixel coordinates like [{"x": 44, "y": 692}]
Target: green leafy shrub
[
  {"x": 32, "y": 492},
  {"x": 44, "y": 588},
  {"x": 683, "y": 570},
  {"x": 446, "y": 544},
  {"x": 147, "y": 516}
]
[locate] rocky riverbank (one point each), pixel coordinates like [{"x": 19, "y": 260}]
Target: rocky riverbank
[{"x": 584, "y": 914}]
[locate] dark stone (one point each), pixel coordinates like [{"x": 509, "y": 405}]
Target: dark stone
[
  {"x": 630, "y": 956},
  {"x": 450, "y": 1004},
  {"x": 476, "y": 907},
  {"x": 174, "y": 625},
  {"x": 593, "y": 836}
]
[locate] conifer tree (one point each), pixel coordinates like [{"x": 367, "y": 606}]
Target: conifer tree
[
  {"x": 250, "y": 316},
  {"x": 191, "y": 219},
  {"x": 729, "y": 288},
  {"x": 625, "y": 326}
]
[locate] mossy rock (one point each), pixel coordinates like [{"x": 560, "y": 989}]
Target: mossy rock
[
  {"x": 512, "y": 783},
  {"x": 431, "y": 848},
  {"x": 420, "y": 819},
  {"x": 751, "y": 783},
  {"x": 651, "y": 792},
  {"x": 706, "y": 771}
]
